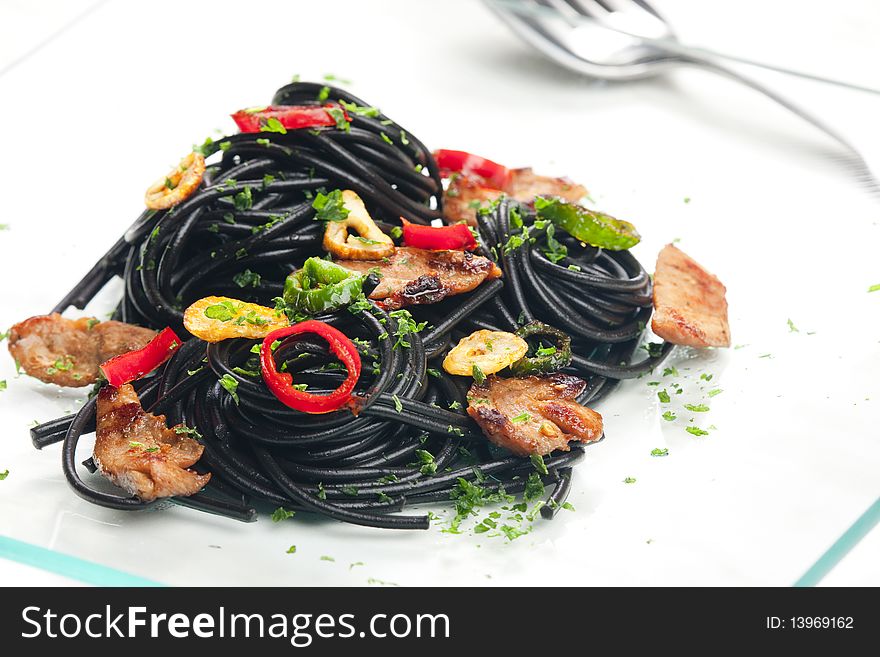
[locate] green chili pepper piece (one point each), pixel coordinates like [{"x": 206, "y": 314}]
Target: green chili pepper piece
[
  {"x": 322, "y": 286},
  {"x": 545, "y": 360},
  {"x": 589, "y": 226}
]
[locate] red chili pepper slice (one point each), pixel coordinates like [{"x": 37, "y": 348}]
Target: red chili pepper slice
[
  {"x": 133, "y": 365},
  {"x": 457, "y": 237},
  {"x": 280, "y": 383},
  {"x": 291, "y": 117},
  {"x": 495, "y": 175}
]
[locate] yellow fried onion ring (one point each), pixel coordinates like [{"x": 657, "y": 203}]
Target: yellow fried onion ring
[
  {"x": 491, "y": 351},
  {"x": 178, "y": 185}
]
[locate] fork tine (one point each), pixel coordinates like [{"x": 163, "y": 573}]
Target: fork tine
[
  {"x": 589, "y": 8},
  {"x": 565, "y": 10}
]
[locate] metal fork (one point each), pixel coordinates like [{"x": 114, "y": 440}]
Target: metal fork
[{"x": 629, "y": 39}]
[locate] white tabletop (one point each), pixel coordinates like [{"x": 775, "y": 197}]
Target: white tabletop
[{"x": 96, "y": 99}]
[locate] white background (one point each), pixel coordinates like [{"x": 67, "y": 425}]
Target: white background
[{"x": 90, "y": 116}]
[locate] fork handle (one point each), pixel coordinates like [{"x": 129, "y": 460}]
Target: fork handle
[{"x": 859, "y": 161}]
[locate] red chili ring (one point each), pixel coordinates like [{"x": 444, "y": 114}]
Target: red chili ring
[{"x": 280, "y": 383}]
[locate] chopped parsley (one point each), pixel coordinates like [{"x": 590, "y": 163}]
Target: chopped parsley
[
  {"x": 280, "y": 514},
  {"x": 516, "y": 240},
  {"x": 231, "y": 385},
  {"x": 555, "y": 250},
  {"x": 660, "y": 452},
  {"x": 669, "y": 416},
  {"x": 291, "y": 549},
  {"x": 351, "y": 491},
  {"x": 468, "y": 497},
  {"x": 706, "y": 377},
  {"x": 512, "y": 532},
  {"x": 696, "y": 431},
  {"x": 338, "y": 115},
  {"x": 360, "y": 110},
  {"x": 478, "y": 375},
  {"x": 324, "y": 557},
  {"x": 874, "y": 288},
  {"x": 396, "y": 232},
  {"x": 426, "y": 459},
  {"x": 522, "y": 417},
  {"x": 184, "y": 430},
  {"x": 791, "y": 327},
  {"x": 3, "y": 384},
  {"x": 398, "y": 405},
  {"x": 629, "y": 480},
  {"x": 386, "y": 138},
  {"x": 360, "y": 305},
  {"x": 670, "y": 371},
  {"x": 324, "y": 93},
  {"x": 663, "y": 396},
  {"x": 406, "y": 325},
  {"x": 273, "y": 125},
  {"x": 432, "y": 372},
  {"x": 716, "y": 391},
  {"x": 247, "y": 278},
  {"x": 206, "y": 148},
  {"x": 64, "y": 364},
  {"x": 243, "y": 200},
  {"x": 538, "y": 461},
  {"x": 654, "y": 349},
  {"x": 4, "y": 474},
  {"x": 697, "y": 408},
  {"x": 330, "y": 207},
  {"x": 534, "y": 487}
]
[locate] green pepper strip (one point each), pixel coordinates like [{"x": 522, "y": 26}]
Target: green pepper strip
[
  {"x": 322, "y": 286},
  {"x": 547, "y": 363},
  {"x": 589, "y": 226}
]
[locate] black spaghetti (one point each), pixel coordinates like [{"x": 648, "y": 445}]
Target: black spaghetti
[{"x": 248, "y": 224}]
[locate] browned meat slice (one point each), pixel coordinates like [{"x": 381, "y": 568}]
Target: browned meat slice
[
  {"x": 463, "y": 196},
  {"x": 68, "y": 352},
  {"x": 138, "y": 452},
  {"x": 418, "y": 276},
  {"x": 689, "y": 303},
  {"x": 535, "y": 414},
  {"x": 525, "y": 185},
  {"x": 466, "y": 193}
]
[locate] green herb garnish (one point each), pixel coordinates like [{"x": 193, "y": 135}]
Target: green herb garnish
[
  {"x": 522, "y": 417},
  {"x": 231, "y": 385},
  {"x": 330, "y": 206},
  {"x": 281, "y": 513}
]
